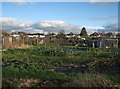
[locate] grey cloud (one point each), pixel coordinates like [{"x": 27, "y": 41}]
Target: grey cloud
[
  {"x": 56, "y": 26},
  {"x": 109, "y": 28},
  {"x": 11, "y": 24}
]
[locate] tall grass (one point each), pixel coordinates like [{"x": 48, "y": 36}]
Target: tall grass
[{"x": 93, "y": 80}]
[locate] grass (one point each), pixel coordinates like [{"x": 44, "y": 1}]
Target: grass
[
  {"x": 101, "y": 65},
  {"x": 42, "y": 74}
]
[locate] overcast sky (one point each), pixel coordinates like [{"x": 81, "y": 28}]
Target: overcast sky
[{"x": 56, "y": 16}]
